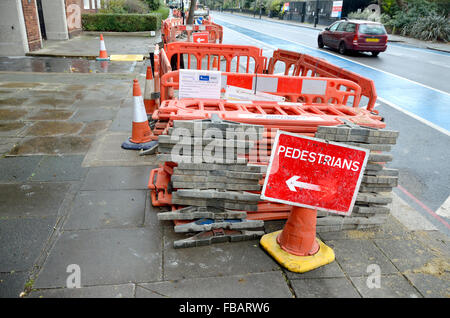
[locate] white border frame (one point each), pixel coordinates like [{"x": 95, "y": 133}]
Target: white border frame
[{"x": 269, "y": 168}]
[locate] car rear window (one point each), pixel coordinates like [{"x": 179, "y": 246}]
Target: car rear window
[{"x": 371, "y": 29}]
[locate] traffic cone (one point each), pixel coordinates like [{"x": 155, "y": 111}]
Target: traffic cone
[
  {"x": 103, "y": 56},
  {"x": 149, "y": 101},
  {"x": 215, "y": 66},
  {"x": 296, "y": 246},
  {"x": 141, "y": 135}
]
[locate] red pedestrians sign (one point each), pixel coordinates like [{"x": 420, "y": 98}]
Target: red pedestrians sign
[
  {"x": 312, "y": 173},
  {"x": 200, "y": 37}
]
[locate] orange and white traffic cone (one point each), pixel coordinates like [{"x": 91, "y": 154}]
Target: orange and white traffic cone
[
  {"x": 296, "y": 246},
  {"x": 103, "y": 55},
  {"x": 149, "y": 96},
  {"x": 215, "y": 66},
  {"x": 141, "y": 135}
]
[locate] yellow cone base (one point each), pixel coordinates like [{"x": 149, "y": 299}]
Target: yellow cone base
[{"x": 294, "y": 263}]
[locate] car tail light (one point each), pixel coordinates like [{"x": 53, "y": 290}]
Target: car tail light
[{"x": 355, "y": 39}]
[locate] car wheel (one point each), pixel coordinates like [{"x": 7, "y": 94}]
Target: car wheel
[
  {"x": 320, "y": 42},
  {"x": 375, "y": 53},
  {"x": 342, "y": 48}
]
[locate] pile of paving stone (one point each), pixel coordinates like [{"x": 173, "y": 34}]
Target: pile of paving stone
[
  {"x": 212, "y": 179},
  {"x": 373, "y": 200}
]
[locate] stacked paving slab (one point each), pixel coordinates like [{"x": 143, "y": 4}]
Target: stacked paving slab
[
  {"x": 212, "y": 179},
  {"x": 372, "y": 205}
]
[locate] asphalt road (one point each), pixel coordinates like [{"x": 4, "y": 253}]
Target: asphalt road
[{"x": 414, "y": 97}]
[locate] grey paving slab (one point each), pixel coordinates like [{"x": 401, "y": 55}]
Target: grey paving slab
[
  {"x": 52, "y": 145},
  {"x": 60, "y": 168},
  {"x": 105, "y": 256},
  {"x": 108, "y": 291},
  {"x": 107, "y": 209},
  {"x": 18, "y": 169},
  {"x": 405, "y": 254},
  {"x": 220, "y": 259},
  {"x": 328, "y": 271},
  {"x": 21, "y": 241},
  {"x": 107, "y": 151},
  {"x": 392, "y": 228},
  {"x": 354, "y": 256},
  {"x": 391, "y": 286},
  {"x": 98, "y": 99},
  {"x": 12, "y": 284},
  {"x": 94, "y": 113},
  {"x": 123, "y": 120},
  {"x": 117, "y": 178},
  {"x": 7, "y": 143},
  {"x": 252, "y": 285},
  {"x": 431, "y": 285},
  {"x": 324, "y": 288},
  {"x": 31, "y": 199}
]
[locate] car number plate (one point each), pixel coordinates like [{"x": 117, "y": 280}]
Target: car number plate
[{"x": 372, "y": 40}]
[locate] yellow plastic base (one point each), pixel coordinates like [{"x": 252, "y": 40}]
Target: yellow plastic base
[
  {"x": 127, "y": 57},
  {"x": 294, "y": 263}
]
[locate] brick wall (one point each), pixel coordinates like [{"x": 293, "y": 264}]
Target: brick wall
[{"x": 32, "y": 24}]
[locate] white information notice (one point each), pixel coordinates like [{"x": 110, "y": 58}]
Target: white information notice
[{"x": 200, "y": 84}]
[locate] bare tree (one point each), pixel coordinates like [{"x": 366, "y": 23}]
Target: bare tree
[{"x": 190, "y": 19}]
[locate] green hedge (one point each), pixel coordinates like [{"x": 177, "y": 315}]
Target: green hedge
[{"x": 121, "y": 22}]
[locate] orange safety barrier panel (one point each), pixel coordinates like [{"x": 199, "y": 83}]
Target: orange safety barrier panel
[
  {"x": 171, "y": 30},
  {"x": 227, "y": 52},
  {"x": 306, "y": 65},
  {"x": 158, "y": 183},
  {"x": 294, "y": 89}
]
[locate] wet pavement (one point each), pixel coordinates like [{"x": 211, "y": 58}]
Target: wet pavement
[{"x": 63, "y": 65}]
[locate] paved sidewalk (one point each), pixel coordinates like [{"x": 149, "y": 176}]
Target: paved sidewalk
[
  {"x": 438, "y": 46},
  {"x": 72, "y": 198}
]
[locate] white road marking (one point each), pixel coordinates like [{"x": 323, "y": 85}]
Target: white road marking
[{"x": 444, "y": 210}]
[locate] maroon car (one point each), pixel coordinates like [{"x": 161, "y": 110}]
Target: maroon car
[{"x": 354, "y": 35}]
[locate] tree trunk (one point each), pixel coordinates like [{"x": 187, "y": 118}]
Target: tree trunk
[{"x": 190, "y": 19}]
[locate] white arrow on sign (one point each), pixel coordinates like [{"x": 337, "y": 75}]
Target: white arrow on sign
[
  {"x": 292, "y": 183},
  {"x": 199, "y": 40}
]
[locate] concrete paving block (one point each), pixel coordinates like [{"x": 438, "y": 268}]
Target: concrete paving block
[
  {"x": 221, "y": 259},
  {"x": 106, "y": 150},
  {"x": 391, "y": 286},
  {"x": 59, "y": 168},
  {"x": 108, "y": 291},
  {"x": 406, "y": 254},
  {"x": 18, "y": 169},
  {"x": 107, "y": 209},
  {"x": 52, "y": 145},
  {"x": 324, "y": 288},
  {"x": 31, "y": 199},
  {"x": 431, "y": 285},
  {"x": 12, "y": 284},
  {"x": 94, "y": 113},
  {"x": 105, "y": 256},
  {"x": 355, "y": 256},
  {"x": 21, "y": 241},
  {"x": 117, "y": 178},
  {"x": 252, "y": 285}
]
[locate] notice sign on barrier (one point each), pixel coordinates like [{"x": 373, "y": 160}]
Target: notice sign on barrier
[
  {"x": 200, "y": 37},
  {"x": 200, "y": 84},
  {"x": 312, "y": 173}
]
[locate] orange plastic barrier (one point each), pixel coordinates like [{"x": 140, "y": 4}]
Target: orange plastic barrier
[
  {"x": 295, "y": 89},
  {"x": 171, "y": 29},
  {"x": 158, "y": 183},
  {"x": 306, "y": 65},
  {"x": 207, "y": 51}
]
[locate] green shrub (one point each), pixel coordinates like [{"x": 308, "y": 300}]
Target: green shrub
[
  {"x": 431, "y": 28},
  {"x": 121, "y": 22},
  {"x": 164, "y": 11}
]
